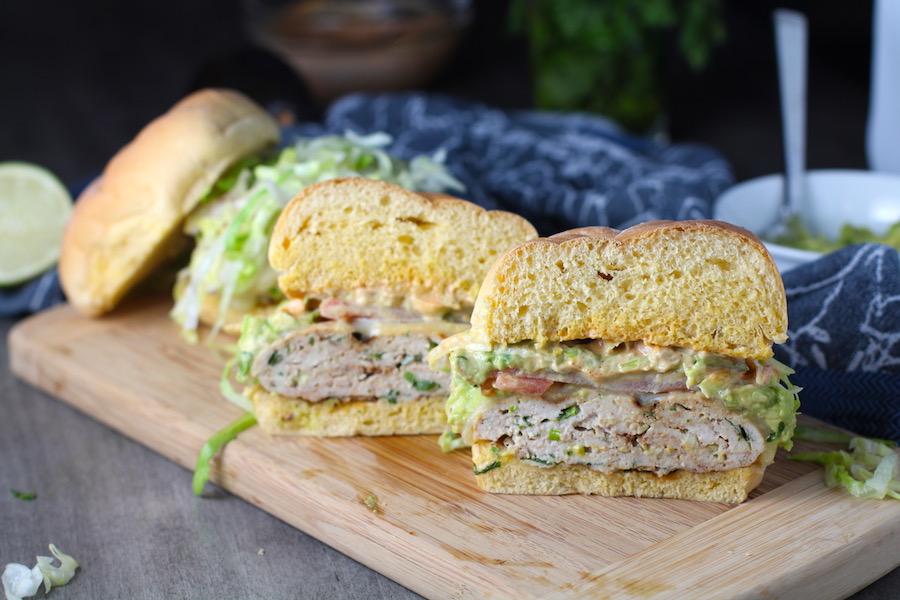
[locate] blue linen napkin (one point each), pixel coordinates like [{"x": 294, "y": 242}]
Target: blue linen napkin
[
  {"x": 844, "y": 338},
  {"x": 32, "y": 296},
  {"x": 563, "y": 170},
  {"x": 558, "y": 170}
]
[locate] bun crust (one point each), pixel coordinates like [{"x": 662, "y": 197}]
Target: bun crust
[
  {"x": 353, "y": 233},
  {"x": 705, "y": 285},
  {"x": 519, "y": 477},
  {"x": 124, "y": 223},
  {"x": 278, "y": 415}
]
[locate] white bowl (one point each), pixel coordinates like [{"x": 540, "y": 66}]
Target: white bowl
[{"x": 833, "y": 198}]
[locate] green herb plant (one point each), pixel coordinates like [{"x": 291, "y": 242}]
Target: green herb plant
[{"x": 606, "y": 56}]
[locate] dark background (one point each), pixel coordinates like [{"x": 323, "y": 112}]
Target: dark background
[{"x": 79, "y": 79}]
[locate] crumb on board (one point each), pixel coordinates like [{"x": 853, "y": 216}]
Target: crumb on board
[{"x": 371, "y": 501}]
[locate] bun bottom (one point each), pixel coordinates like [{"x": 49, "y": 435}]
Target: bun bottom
[
  {"x": 278, "y": 415},
  {"x": 518, "y": 477}
]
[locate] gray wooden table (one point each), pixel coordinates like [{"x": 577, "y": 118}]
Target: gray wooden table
[{"x": 130, "y": 518}]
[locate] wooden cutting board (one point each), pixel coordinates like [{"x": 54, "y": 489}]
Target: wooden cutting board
[{"x": 407, "y": 510}]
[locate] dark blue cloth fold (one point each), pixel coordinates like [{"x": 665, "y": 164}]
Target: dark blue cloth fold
[
  {"x": 570, "y": 170},
  {"x": 844, "y": 338},
  {"x": 559, "y": 170},
  {"x": 31, "y": 296}
]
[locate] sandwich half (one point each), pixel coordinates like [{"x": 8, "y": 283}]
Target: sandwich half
[
  {"x": 206, "y": 179},
  {"x": 128, "y": 222},
  {"x": 633, "y": 363},
  {"x": 375, "y": 276}
]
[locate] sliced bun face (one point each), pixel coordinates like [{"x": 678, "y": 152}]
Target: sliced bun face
[
  {"x": 124, "y": 223},
  {"x": 358, "y": 234},
  {"x": 705, "y": 285}
]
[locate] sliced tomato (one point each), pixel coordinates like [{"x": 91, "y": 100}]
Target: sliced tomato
[
  {"x": 333, "y": 308},
  {"x": 521, "y": 384}
]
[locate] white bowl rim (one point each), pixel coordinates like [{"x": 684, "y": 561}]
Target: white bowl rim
[{"x": 797, "y": 255}]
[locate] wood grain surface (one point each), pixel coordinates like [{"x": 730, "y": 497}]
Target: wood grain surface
[{"x": 407, "y": 510}]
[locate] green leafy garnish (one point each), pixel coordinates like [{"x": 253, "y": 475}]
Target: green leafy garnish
[
  {"x": 23, "y": 495},
  {"x": 829, "y": 436},
  {"x": 239, "y": 362},
  {"x": 230, "y": 178},
  {"x": 568, "y": 412},
  {"x": 539, "y": 460},
  {"x": 19, "y": 581},
  {"x": 634, "y": 364},
  {"x": 799, "y": 236},
  {"x": 576, "y": 450},
  {"x": 216, "y": 443},
  {"x": 450, "y": 440},
  {"x": 53, "y": 575},
  {"x": 745, "y": 436},
  {"x": 869, "y": 470},
  {"x": 493, "y": 465},
  {"x": 775, "y": 434},
  {"x": 423, "y": 385}
]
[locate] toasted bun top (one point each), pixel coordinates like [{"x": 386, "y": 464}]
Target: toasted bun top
[
  {"x": 705, "y": 285},
  {"x": 351, "y": 234},
  {"x": 124, "y": 223}
]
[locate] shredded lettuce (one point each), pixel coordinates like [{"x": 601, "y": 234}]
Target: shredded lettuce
[
  {"x": 450, "y": 441},
  {"x": 830, "y": 436},
  {"x": 54, "y": 575},
  {"x": 216, "y": 443},
  {"x": 21, "y": 582},
  {"x": 23, "y": 495},
  {"x": 868, "y": 470},
  {"x": 232, "y": 228},
  {"x": 227, "y": 390}
]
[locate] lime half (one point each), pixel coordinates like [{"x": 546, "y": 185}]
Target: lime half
[{"x": 34, "y": 208}]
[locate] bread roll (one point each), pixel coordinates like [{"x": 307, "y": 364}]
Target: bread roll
[
  {"x": 125, "y": 223},
  {"x": 629, "y": 363},
  {"x": 353, "y": 233},
  {"x": 705, "y": 285}
]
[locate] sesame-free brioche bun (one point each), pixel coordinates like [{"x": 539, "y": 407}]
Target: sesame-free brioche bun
[
  {"x": 523, "y": 477},
  {"x": 354, "y": 233},
  {"x": 125, "y": 223},
  {"x": 705, "y": 285},
  {"x": 278, "y": 415}
]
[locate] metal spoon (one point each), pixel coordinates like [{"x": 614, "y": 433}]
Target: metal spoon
[{"x": 790, "y": 44}]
